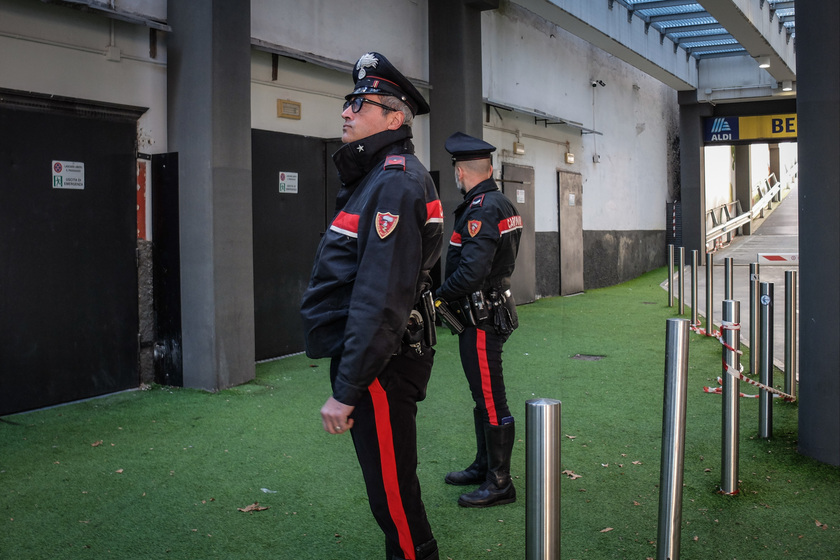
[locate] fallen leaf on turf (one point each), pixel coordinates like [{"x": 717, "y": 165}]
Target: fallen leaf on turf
[
  {"x": 605, "y": 464},
  {"x": 253, "y": 507},
  {"x": 635, "y": 503},
  {"x": 96, "y": 443},
  {"x": 571, "y": 474},
  {"x": 570, "y": 437},
  {"x": 637, "y": 462},
  {"x": 696, "y": 538},
  {"x": 822, "y": 526},
  {"x": 607, "y": 530},
  {"x": 119, "y": 471}
]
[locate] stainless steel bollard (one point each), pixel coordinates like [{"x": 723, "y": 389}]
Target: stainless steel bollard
[
  {"x": 710, "y": 293},
  {"x": 542, "y": 471},
  {"x": 728, "y": 277},
  {"x": 673, "y": 440},
  {"x": 765, "y": 361},
  {"x": 790, "y": 332},
  {"x": 670, "y": 275},
  {"x": 694, "y": 257},
  {"x": 754, "y": 324},
  {"x": 731, "y": 391},
  {"x": 682, "y": 280}
]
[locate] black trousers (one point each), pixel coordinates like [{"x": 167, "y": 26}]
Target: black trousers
[
  {"x": 385, "y": 436},
  {"x": 481, "y": 358}
]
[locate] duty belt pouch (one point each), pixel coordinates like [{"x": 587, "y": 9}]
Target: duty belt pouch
[
  {"x": 463, "y": 310},
  {"x": 505, "y": 318},
  {"x": 478, "y": 306}
]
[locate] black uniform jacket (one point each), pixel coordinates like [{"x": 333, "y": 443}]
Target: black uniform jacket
[
  {"x": 373, "y": 261},
  {"x": 484, "y": 243}
]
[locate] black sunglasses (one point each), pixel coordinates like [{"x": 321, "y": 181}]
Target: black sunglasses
[{"x": 357, "y": 103}]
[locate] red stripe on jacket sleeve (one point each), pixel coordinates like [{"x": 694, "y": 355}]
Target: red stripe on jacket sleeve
[
  {"x": 434, "y": 211},
  {"x": 345, "y": 223}
]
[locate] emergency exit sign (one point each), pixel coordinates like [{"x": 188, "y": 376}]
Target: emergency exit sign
[{"x": 68, "y": 175}]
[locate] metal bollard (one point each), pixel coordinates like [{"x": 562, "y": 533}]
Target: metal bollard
[
  {"x": 542, "y": 471},
  {"x": 694, "y": 257},
  {"x": 673, "y": 440},
  {"x": 790, "y": 332},
  {"x": 682, "y": 280},
  {"x": 670, "y": 275},
  {"x": 710, "y": 293},
  {"x": 765, "y": 361},
  {"x": 728, "y": 277},
  {"x": 731, "y": 391},
  {"x": 754, "y": 325}
]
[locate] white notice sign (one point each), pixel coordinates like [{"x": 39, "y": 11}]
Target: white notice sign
[
  {"x": 68, "y": 175},
  {"x": 288, "y": 182},
  {"x": 520, "y": 196}
]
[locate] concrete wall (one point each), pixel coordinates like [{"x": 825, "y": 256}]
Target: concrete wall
[
  {"x": 61, "y": 51},
  {"x": 535, "y": 65}
]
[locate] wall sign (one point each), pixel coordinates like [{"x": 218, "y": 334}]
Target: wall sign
[
  {"x": 762, "y": 127},
  {"x": 288, "y": 182},
  {"x": 68, "y": 175}
]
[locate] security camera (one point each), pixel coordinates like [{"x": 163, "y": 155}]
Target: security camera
[{"x": 594, "y": 83}]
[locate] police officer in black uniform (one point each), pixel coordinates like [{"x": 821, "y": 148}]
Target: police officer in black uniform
[
  {"x": 479, "y": 263},
  {"x": 365, "y": 307}
]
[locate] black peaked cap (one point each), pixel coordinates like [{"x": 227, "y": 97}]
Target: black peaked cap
[
  {"x": 464, "y": 147},
  {"x": 374, "y": 74}
]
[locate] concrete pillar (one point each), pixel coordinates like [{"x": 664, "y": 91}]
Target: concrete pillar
[
  {"x": 818, "y": 116},
  {"x": 209, "y": 125},
  {"x": 774, "y": 165},
  {"x": 455, "y": 98},
  {"x": 692, "y": 171},
  {"x": 743, "y": 184}
]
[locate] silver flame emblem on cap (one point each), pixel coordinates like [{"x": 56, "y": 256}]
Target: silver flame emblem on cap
[{"x": 366, "y": 61}]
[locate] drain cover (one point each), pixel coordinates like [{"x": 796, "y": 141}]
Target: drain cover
[{"x": 588, "y": 357}]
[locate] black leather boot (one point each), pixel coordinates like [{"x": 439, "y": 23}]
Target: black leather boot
[
  {"x": 477, "y": 472},
  {"x": 498, "y": 488},
  {"x": 426, "y": 551}
]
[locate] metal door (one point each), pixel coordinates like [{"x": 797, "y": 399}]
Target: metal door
[
  {"x": 518, "y": 185},
  {"x": 291, "y": 207},
  {"x": 570, "y": 218},
  {"x": 68, "y": 276}
]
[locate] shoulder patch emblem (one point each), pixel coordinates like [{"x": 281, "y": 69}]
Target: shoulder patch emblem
[
  {"x": 395, "y": 162},
  {"x": 477, "y": 201},
  {"x": 473, "y": 226},
  {"x": 386, "y": 223}
]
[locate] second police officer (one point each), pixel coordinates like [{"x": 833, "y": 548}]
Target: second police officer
[{"x": 479, "y": 263}]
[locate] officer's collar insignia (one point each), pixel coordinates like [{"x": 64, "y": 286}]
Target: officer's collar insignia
[
  {"x": 477, "y": 201},
  {"x": 366, "y": 61},
  {"x": 360, "y": 148},
  {"x": 386, "y": 223},
  {"x": 473, "y": 226}
]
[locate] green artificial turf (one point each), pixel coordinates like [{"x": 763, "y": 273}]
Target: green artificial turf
[{"x": 162, "y": 473}]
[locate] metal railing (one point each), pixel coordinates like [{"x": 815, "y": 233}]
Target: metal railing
[{"x": 769, "y": 190}]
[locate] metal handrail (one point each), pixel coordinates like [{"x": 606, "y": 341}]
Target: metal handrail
[{"x": 768, "y": 194}]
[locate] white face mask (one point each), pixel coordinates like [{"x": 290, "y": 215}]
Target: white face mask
[{"x": 459, "y": 184}]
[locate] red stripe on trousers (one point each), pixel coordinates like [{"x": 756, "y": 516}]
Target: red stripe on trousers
[
  {"x": 387, "y": 458},
  {"x": 484, "y": 368}
]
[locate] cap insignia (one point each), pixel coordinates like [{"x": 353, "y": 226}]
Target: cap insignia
[{"x": 366, "y": 61}]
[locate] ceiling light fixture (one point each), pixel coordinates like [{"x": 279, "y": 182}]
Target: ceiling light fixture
[{"x": 763, "y": 61}]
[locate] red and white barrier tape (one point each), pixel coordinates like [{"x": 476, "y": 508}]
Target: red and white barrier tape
[
  {"x": 738, "y": 373},
  {"x": 696, "y": 328}
]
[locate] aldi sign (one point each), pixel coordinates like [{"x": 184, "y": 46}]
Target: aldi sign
[{"x": 763, "y": 127}]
